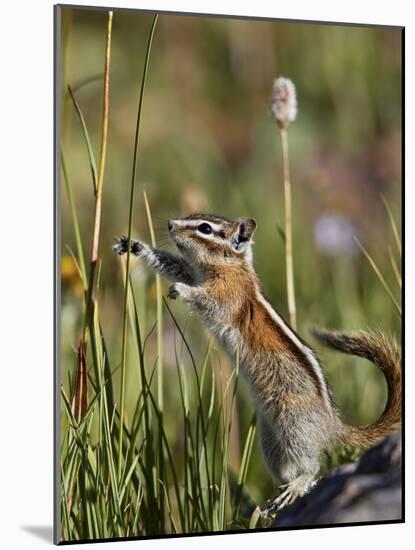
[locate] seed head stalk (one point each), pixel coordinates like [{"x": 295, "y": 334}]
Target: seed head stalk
[
  {"x": 288, "y": 231},
  {"x": 284, "y": 111}
]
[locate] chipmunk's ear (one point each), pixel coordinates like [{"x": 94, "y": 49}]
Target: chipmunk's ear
[{"x": 245, "y": 228}]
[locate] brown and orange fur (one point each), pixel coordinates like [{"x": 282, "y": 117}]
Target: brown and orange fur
[{"x": 296, "y": 413}]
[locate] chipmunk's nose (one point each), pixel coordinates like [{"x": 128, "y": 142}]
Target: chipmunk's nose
[{"x": 170, "y": 225}]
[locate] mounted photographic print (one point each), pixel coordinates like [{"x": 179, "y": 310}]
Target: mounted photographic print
[{"x": 228, "y": 203}]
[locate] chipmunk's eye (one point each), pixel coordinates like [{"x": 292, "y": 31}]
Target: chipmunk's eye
[{"x": 205, "y": 228}]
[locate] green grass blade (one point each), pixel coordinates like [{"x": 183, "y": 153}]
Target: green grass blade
[
  {"x": 204, "y": 367},
  {"x": 159, "y": 300},
  {"x": 127, "y": 478},
  {"x": 78, "y": 240},
  {"x": 393, "y": 224},
  {"x": 379, "y": 276},
  {"x": 85, "y": 132},
  {"x": 66, "y": 526},
  {"x": 169, "y": 509},
  {"x": 395, "y": 269},
  {"x": 169, "y": 454},
  {"x": 200, "y": 413},
  {"x": 246, "y": 457},
  {"x": 85, "y": 82}
]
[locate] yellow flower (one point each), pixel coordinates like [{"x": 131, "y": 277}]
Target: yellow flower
[{"x": 70, "y": 276}]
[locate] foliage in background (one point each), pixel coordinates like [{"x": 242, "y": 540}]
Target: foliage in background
[{"x": 188, "y": 459}]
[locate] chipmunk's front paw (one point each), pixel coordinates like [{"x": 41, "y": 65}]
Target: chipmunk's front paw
[
  {"x": 121, "y": 246},
  {"x": 136, "y": 247}
]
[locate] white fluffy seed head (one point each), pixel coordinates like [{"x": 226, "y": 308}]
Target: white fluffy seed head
[{"x": 284, "y": 102}]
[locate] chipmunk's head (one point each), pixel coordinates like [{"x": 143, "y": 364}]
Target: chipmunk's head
[{"x": 208, "y": 239}]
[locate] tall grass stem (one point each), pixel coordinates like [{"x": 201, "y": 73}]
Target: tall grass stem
[
  {"x": 130, "y": 224},
  {"x": 159, "y": 312}
]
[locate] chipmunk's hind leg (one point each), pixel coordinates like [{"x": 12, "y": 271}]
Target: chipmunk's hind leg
[{"x": 288, "y": 494}]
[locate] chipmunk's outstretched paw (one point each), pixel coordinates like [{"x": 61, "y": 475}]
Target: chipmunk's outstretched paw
[
  {"x": 136, "y": 247},
  {"x": 121, "y": 245}
]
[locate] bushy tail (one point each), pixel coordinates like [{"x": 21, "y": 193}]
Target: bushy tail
[{"x": 385, "y": 354}]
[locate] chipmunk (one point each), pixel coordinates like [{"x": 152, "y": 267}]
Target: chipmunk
[{"x": 297, "y": 416}]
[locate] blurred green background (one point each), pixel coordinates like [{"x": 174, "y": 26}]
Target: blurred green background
[{"x": 208, "y": 143}]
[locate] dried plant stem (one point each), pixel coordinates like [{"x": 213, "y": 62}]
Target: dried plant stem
[
  {"x": 288, "y": 230},
  {"x": 127, "y": 264},
  {"x": 100, "y": 182}
]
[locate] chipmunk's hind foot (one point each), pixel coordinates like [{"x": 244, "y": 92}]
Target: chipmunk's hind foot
[{"x": 289, "y": 492}]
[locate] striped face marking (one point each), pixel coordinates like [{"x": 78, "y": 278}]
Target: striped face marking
[
  {"x": 223, "y": 235},
  {"x": 209, "y": 229}
]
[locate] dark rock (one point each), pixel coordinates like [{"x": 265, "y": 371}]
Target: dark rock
[{"x": 365, "y": 491}]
